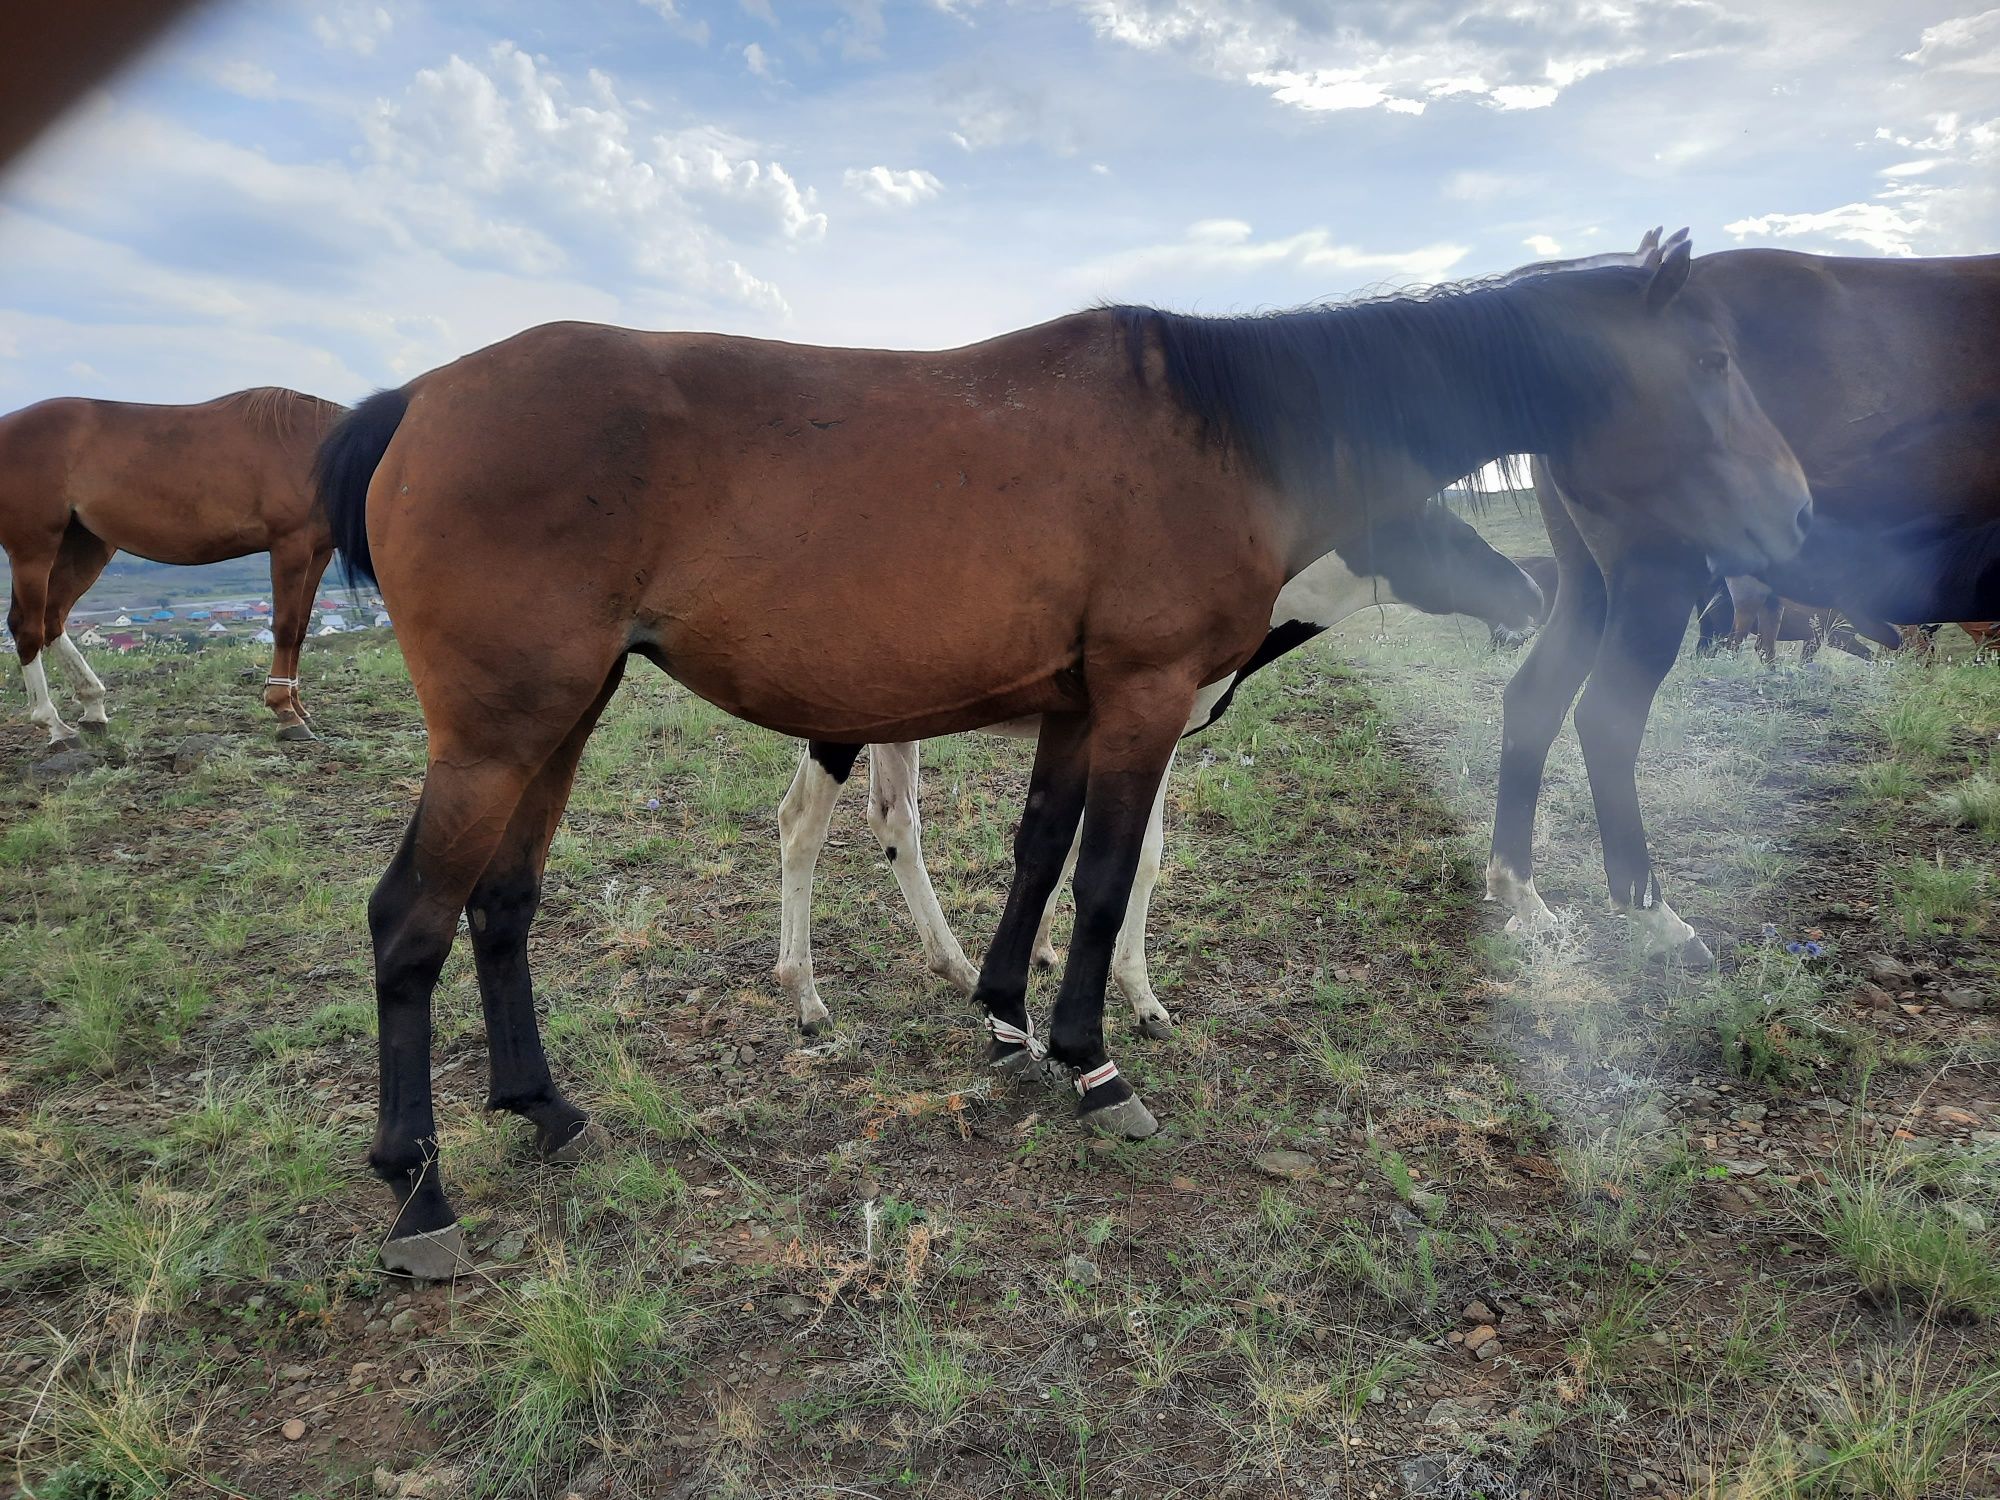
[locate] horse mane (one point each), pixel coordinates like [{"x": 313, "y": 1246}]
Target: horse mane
[
  {"x": 1451, "y": 375},
  {"x": 277, "y": 409}
]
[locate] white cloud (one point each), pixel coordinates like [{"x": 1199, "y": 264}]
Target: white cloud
[
  {"x": 1231, "y": 247},
  {"x": 761, "y": 9},
  {"x": 242, "y": 77},
  {"x": 354, "y": 27},
  {"x": 1969, "y": 44},
  {"x": 1401, "y": 58},
  {"x": 1544, "y": 246},
  {"x": 682, "y": 26},
  {"x": 757, "y": 60},
  {"x": 504, "y": 162},
  {"x": 1877, "y": 225},
  {"x": 886, "y": 187}
]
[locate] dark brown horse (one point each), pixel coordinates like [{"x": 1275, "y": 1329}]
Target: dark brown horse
[
  {"x": 1088, "y": 520},
  {"x": 1884, "y": 377},
  {"x": 80, "y": 480}
]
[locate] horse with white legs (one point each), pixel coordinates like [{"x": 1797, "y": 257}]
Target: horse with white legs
[
  {"x": 1088, "y": 521},
  {"x": 81, "y": 479},
  {"x": 1437, "y": 564}
]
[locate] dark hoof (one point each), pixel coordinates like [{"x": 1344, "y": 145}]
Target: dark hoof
[
  {"x": 1046, "y": 962},
  {"x": 1015, "y": 1062},
  {"x": 94, "y": 729},
  {"x": 294, "y": 734},
  {"x": 66, "y": 743},
  {"x": 1128, "y": 1119},
  {"x": 812, "y": 1031},
  {"x": 436, "y": 1256},
  {"x": 1156, "y": 1028},
  {"x": 588, "y": 1140}
]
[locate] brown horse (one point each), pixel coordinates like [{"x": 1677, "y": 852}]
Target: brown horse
[
  {"x": 1089, "y": 520},
  {"x": 1884, "y": 377},
  {"x": 80, "y": 480}
]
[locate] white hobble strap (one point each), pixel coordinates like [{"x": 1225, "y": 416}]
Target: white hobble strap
[
  {"x": 1009, "y": 1035},
  {"x": 1085, "y": 1082},
  {"x": 290, "y": 682}
]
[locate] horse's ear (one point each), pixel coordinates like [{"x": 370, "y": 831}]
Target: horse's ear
[
  {"x": 1650, "y": 239},
  {"x": 1669, "y": 276},
  {"x": 1677, "y": 237}
]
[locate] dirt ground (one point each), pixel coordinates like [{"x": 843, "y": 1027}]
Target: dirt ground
[{"x": 1436, "y": 1212}]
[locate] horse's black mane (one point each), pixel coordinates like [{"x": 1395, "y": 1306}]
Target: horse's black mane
[{"x": 1450, "y": 376}]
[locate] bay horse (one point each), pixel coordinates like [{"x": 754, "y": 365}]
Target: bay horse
[
  {"x": 1884, "y": 378},
  {"x": 82, "y": 479},
  {"x": 1436, "y": 563},
  {"x": 1088, "y": 521}
]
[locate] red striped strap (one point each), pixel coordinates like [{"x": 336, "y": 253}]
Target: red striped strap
[
  {"x": 1085, "y": 1082},
  {"x": 1009, "y": 1035}
]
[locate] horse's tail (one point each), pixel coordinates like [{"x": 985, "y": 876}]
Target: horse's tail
[{"x": 346, "y": 463}]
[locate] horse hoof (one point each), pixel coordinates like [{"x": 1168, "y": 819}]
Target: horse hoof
[
  {"x": 295, "y": 734},
  {"x": 816, "y": 1028},
  {"x": 1046, "y": 959},
  {"x": 1158, "y": 1028},
  {"x": 67, "y": 743},
  {"x": 1016, "y": 1062},
  {"x": 97, "y": 729},
  {"x": 1694, "y": 954},
  {"x": 586, "y": 1141},
  {"x": 1128, "y": 1119},
  {"x": 437, "y": 1255}
]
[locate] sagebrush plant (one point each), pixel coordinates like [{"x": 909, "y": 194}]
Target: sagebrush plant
[
  {"x": 1769, "y": 1017},
  {"x": 1933, "y": 896},
  {"x": 1974, "y": 803}
]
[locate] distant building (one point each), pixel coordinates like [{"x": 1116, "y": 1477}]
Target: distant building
[
  {"x": 122, "y": 620},
  {"x": 261, "y": 607},
  {"x": 198, "y": 614},
  {"x": 265, "y": 638},
  {"x": 123, "y": 641},
  {"x": 382, "y": 619},
  {"x": 91, "y": 636},
  {"x": 332, "y": 622},
  {"x": 218, "y": 628},
  {"x": 161, "y": 614}
]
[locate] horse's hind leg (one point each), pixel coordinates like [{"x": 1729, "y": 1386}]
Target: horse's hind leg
[
  {"x": 27, "y": 618},
  {"x": 480, "y": 770},
  {"x": 1128, "y": 959},
  {"x": 1134, "y": 728},
  {"x": 78, "y": 562},
  {"x": 498, "y": 915},
  {"x": 803, "y": 818},
  {"x": 296, "y": 568},
  {"x": 898, "y": 828}
]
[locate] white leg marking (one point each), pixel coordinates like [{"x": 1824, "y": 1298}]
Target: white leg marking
[
  {"x": 1045, "y": 956},
  {"x": 41, "y": 708},
  {"x": 88, "y": 690},
  {"x": 1659, "y": 931},
  {"x": 803, "y": 818},
  {"x": 1128, "y": 959},
  {"x": 894, "y": 820},
  {"x": 1530, "y": 912}
]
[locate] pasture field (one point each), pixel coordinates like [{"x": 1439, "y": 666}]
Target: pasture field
[{"x": 1435, "y": 1212}]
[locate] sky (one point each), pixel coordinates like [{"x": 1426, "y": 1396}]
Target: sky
[{"x": 341, "y": 194}]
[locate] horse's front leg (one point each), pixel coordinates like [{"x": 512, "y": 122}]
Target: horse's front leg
[
  {"x": 1056, "y": 790},
  {"x": 1647, "y": 617},
  {"x": 1134, "y": 729}
]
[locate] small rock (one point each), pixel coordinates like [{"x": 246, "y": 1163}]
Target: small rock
[
  {"x": 1477, "y": 1312},
  {"x": 289, "y": 1373},
  {"x": 404, "y": 1322},
  {"x": 225, "y": 1353},
  {"x": 1291, "y": 1166},
  {"x": 1430, "y": 1205},
  {"x": 63, "y": 765},
  {"x": 387, "y": 1483},
  {"x": 746, "y": 1054},
  {"x": 1082, "y": 1271},
  {"x": 510, "y": 1245},
  {"x": 1888, "y": 970},
  {"x": 1480, "y": 1337},
  {"x": 293, "y": 1429},
  {"x": 1965, "y": 998},
  {"x": 195, "y": 749},
  {"x": 1874, "y": 996},
  {"x": 1487, "y": 1350},
  {"x": 1184, "y": 1185}
]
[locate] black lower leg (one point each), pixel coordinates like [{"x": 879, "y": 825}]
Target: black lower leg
[
  {"x": 1041, "y": 847},
  {"x": 1536, "y": 699},
  {"x": 499, "y": 914},
  {"x": 411, "y": 939}
]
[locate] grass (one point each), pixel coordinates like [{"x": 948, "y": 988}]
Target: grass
[
  {"x": 1880, "y": 1214},
  {"x": 551, "y": 1362},
  {"x": 1932, "y": 896},
  {"x": 850, "y": 1268}
]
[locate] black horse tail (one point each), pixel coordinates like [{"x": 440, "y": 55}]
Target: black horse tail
[{"x": 346, "y": 463}]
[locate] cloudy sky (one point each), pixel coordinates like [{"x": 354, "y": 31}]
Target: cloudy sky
[{"x": 339, "y": 194}]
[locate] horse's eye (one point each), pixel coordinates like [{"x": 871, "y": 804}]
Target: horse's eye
[{"x": 1715, "y": 361}]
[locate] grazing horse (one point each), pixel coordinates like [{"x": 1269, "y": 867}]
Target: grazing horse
[
  {"x": 1089, "y": 521},
  {"x": 80, "y": 480},
  {"x": 1542, "y": 569},
  {"x": 1884, "y": 377},
  {"x": 1437, "y": 563},
  {"x": 1758, "y": 609}
]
